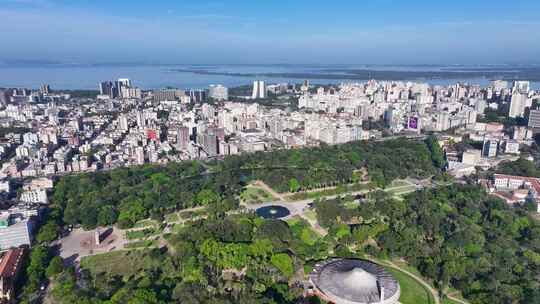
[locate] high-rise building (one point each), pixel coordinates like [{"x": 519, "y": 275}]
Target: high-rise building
[
  {"x": 490, "y": 147},
  {"x": 197, "y": 95},
  {"x": 167, "y": 95},
  {"x": 499, "y": 85},
  {"x": 139, "y": 155},
  {"x": 107, "y": 88},
  {"x": 45, "y": 89},
  {"x": 534, "y": 119},
  {"x": 141, "y": 123},
  {"x": 442, "y": 122},
  {"x": 259, "y": 89},
  {"x": 218, "y": 92},
  {"x": 480, "y": 106},
  {"x": 127, "y": 92},
  {"x": 124, "y": 82},
  {"x": 305, "y": 86},
  {"x": 123, "y": 123},
  {"x": 517, "y": 104},
  {"x": 4, "y": 96},
  {"x": 209, "y": 143},
  {"x": 521, "y": 87},
  {"x": 183, "y": 138},
  {"x": 120, "y": 84}
]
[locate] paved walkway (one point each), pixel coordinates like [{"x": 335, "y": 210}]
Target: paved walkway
[
  {"x": 265, "y": 187},
  {"x": 420, "y": 280},
  {"x": 80, "y": 243},
  {"x": 451, "y": 297}
]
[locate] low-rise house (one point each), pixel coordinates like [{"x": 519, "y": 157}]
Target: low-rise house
[
  {"x": 10, "y": 266},
  {"x": 517, "y": 186}
]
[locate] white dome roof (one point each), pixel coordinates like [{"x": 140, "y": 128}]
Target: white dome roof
[
  {"x": 351, "y": 281},
  {"x": 359, "y": 279}
]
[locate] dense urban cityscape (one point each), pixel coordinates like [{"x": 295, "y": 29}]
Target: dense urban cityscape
[
  {"x": 269, "y": 152},
  {"x": 48, "y": 135},
  {"x": 54, "y": 133}
]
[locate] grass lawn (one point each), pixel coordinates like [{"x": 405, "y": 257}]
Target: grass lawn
[
  {"x": 172, "y": 217},
  {"x": 253, "y": 195},
  {"x": 187, "y": 215},
  {"x": 351, "y": 205},
  {"x": 412, "y": 292},
  {"x": 342, "y": 189},
  {"x": 308, "y": 267},
  {"x": 406, "y": 266},
  {"x": 177, "y": 228},
  {"x": 139, "y": 244},
  {"x": 311, "y": 214},
  {"x": 294, "y": 220},
  {"x": 448, "y": 301},
  {"x": 301, "y": 229},
  {"x": 405, "y": 191},
  {"x": 455, "y": 294},
  {"x": 309, "y": 236},
  {"x": 139, "y": 234},
  {"x": 146, "y": 223},
  {"x": 124, "y": 263},
  {"x": 399, "y": 183},
  {"x": 400, "y": 190}
]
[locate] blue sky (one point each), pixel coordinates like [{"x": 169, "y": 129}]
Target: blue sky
[{"x": 271, "y": 31}]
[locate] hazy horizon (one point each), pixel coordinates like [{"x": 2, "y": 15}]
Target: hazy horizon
[
  {"x": 273, "y": 32},
  {"x": 200, "y": 76}
]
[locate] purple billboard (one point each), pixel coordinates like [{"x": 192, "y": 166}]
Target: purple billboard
[{"x": 413, "y": 123}]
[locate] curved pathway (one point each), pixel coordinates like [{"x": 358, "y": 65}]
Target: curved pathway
[
  {"x": 420, "y": 280},
  {"x": 451, "y": 297},
  {"x": 265, "y": 187}
]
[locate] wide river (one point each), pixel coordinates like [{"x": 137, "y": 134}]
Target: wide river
[{"x": 186, "y": 76}]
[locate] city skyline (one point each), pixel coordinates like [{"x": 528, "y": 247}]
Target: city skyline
[
  {"x": 416, "y": 32},
  {"x": 286, "y": 152}
]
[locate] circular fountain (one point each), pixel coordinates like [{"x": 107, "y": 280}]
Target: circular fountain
[{"x": 273, "y": 212}]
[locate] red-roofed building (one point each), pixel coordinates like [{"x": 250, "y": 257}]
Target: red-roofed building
[
  {"x": 152, "y": 134},
  {"x": 513, "y": 183},
  {"x": 10, "y": 265}
]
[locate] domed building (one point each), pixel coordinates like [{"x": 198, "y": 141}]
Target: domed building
[{"x": 352, "y": 281}]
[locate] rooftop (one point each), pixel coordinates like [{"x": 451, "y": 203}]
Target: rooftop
[
  {"x": 355, "y": 281},
  {"x": 9, "y": 262}
]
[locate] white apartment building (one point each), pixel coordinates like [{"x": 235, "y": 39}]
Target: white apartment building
[
  {"x": 34, "y": 196},
  {"x": 517, "y": 104},
  {"x": 259, "y": 89},
  {"x": 218, "y": 92}
]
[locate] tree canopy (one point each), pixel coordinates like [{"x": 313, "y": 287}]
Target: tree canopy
[
  {"x": 462, "y": 237},
  {"x": 127, "y": 195},
  {"x": 520, "y": 167}
]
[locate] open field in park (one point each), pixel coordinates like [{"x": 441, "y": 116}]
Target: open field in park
[
  {"x": 400, "y": 187},
  {"x": 123, "y": 262},
  {"x": 255, "y": 195},
  {"x": 344, "y": 189},
  {"x": 412, "y": 292}
]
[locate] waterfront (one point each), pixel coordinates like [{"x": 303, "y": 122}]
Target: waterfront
[{"x": 200, "y": 76}]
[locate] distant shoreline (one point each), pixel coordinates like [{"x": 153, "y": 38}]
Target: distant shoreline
[
  {"x": 87, "y": 77},
  {"x": 530, "y": 74}
]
